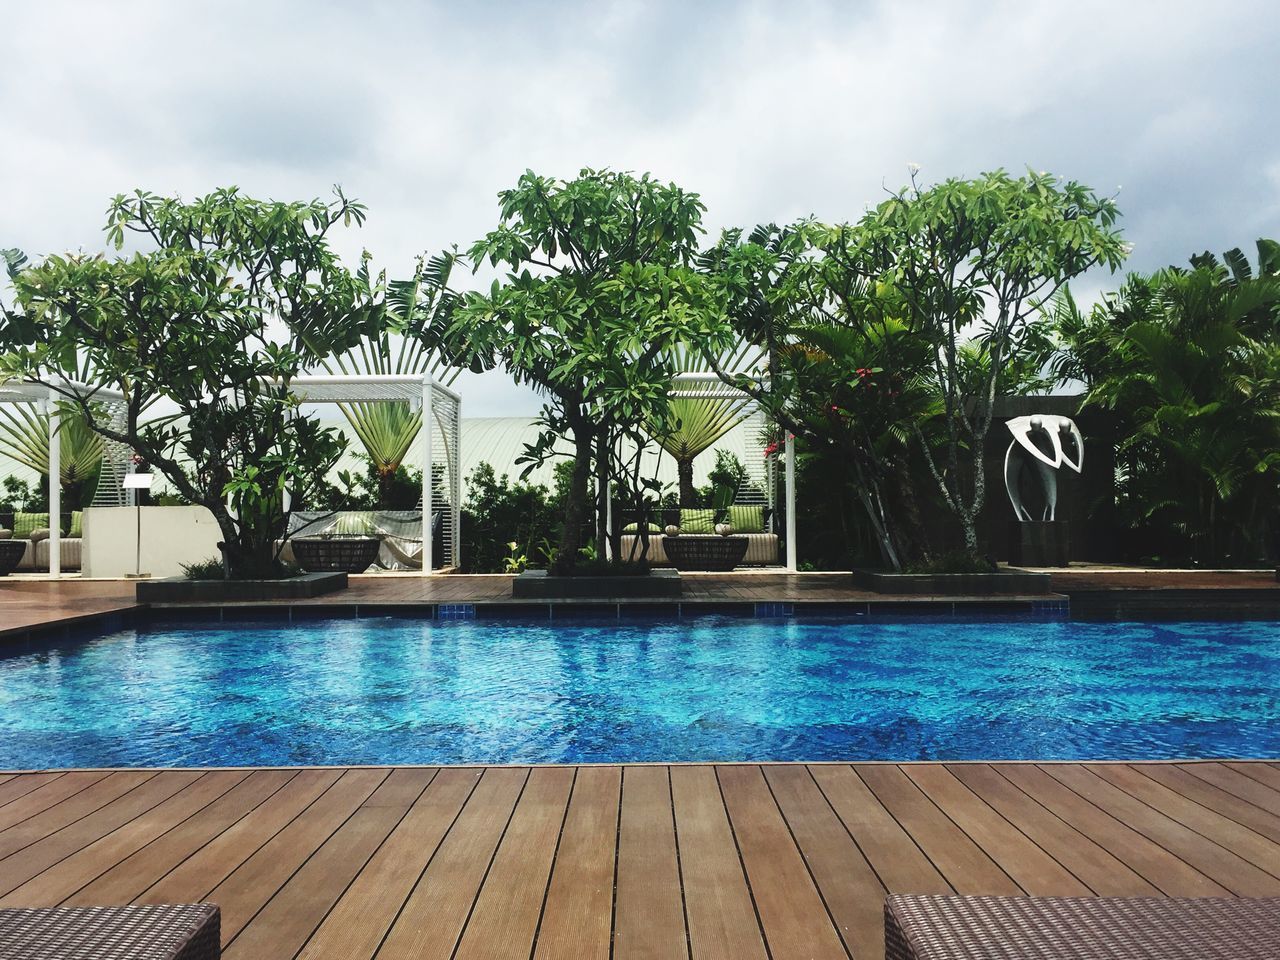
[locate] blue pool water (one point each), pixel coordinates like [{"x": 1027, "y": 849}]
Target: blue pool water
[{"x": 409, "y": 691}]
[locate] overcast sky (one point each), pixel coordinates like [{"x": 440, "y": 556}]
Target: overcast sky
[{"x": 770, "y": 110}]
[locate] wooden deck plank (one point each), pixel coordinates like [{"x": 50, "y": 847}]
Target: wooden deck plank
[
  {"x": 283, "y": 926},
  {"x": 1101, "y": 872},
  {"x": 1266, "y": 774},
  {"x": 849, "y": 886},
  {"x": 1226, "y": 868},
  {"x": 966, "y": 866},
  {"x": 251, "y": 885},
  {"x": 649, "y": 910},
  {"x": 191, "y": 880},
  {"x": 792, "y": 912},
  {"x": 68, "y": 811},
  {"x": 47, "y": 794},
  {"x": 896, "y": 858},
  {"x": 577, "y": 917},
  {"x": 131, "y": 876},
  {"x": 1164, "y": 870},
  {"x": 720, "y": 913},
  {"x": 1261, "y": 820},
  {"x": 64, "y": 878},
  {"x": 1210, "y": 823},
  {"x": 1236, "y": 783},
  {"x": 357, "y": 924},
  {"x": 509, "y": 905},
  {"x": 433, "y": 918},
  {"x": 1030, "y": 867},
  {"x": 17, "y": 868}
]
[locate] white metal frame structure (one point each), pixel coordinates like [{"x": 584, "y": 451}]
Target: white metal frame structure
[
  {"x": 441, "y": 439},
  {"x": 761, "y": 470},
  {"x": 115, "y": 457}
]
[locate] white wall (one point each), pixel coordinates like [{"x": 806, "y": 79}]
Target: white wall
[{"x": 170, "y": 537}]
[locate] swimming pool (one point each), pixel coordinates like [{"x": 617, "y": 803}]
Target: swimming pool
[{"x": 376, "y": 691}]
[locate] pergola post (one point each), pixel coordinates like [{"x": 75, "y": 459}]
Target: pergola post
[
  {"x": 790, "y": 483},
  {"x": 428, "y": 539},
  {"x": 55, "y": 489}
]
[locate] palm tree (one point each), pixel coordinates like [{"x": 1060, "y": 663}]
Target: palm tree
[
  {"x": 387, "y": 429},
  {"x": 696, "y": 422},
  {"x": 1190, "y": 360},
  {"x": 24, "y": 437}
]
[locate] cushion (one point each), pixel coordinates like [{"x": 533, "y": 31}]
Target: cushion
[
  {"x": 5, "y": 534},
  {"x": 746, "y": 518},
  {"x": 77, "y": 524},
  {"x": 697, "y": 520},
  {"x": 24, "y": 523},
  {"x": 353, "y": 523},
  {"x": 635, "y": 528},
  {"x": 38, "y": 534}
]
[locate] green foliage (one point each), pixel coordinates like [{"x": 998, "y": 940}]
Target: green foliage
[
  {"x": 229, "y": 299},
  {"x": 387, "y": 429},
  {"x": 506, "y": 523},
  {"x": 23, "y": 496},
  {"x": 210, "y": 569},
  {"x": 1189, "y": 360},
  {"x": 599, "y": 291}
]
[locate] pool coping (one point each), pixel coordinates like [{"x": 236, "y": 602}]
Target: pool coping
[{"x": 480, "y": 765}]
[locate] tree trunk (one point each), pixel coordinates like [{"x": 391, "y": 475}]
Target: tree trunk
[
  {"x": 684, "y": 471},
  {"x": 602, "y": 495},
  {"x": 575, "y": 510}
]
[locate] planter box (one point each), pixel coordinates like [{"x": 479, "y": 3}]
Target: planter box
[
  {"x": 1009, "y": 581},
  {"x": 182, "y": 590},
  {"x": 1040, "y": 543},
  {"x": 537, "y": 585}
]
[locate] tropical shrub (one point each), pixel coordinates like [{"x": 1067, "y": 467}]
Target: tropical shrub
[
  {"x": 1188, "y": 359},
  {"x": 504, "y": 522}
]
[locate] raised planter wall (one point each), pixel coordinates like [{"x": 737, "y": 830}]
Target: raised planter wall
[
  {"x": 182, "y": 590},
  {"x": 538, "y": 585},
  {"x": 1009, "y": 581}
]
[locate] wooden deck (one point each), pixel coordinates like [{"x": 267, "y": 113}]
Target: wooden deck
[{"x": 629, "y": 862}]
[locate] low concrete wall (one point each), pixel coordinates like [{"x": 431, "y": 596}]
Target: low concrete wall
[{"x": 121, "y": 541}]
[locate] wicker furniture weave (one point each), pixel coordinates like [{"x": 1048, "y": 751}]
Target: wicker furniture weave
[
  {"x": 11, "y": 552},
  {"x": 699, "y": 552},
  {"x": 189, "y": 931},
  {"x": 350, "y": 554},
  {"x": 1080, "y": 928}
]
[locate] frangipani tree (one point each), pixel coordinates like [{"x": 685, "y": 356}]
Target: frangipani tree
[
  {"x": 227, "y": 301},
  {"x": 598, "y": 289},
  {"x": 385, "y": 429}
]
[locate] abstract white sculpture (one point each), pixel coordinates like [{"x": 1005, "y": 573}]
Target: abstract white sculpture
[{"x": 1058, "y": 432}]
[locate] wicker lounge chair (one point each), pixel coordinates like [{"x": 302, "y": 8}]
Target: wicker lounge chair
[
  {"x": 143, "y": 932},
  {"x": 1080, "y": 928}
]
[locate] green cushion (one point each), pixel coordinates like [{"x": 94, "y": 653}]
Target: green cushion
[
  {"x": 746, "y": 518},
  {"x": 24, "y": 523},
  {"x": 77, "y": 524},
  {"x": 635, "y": 528},
  {"x": 353, "y": 523},
  {"x": 697, "y": 521}
]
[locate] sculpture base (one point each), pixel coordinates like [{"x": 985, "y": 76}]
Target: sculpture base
[{"x": 1039, "y": 543}]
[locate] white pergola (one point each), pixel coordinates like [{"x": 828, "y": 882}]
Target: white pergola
[
  {"x": 115, "y": 463},
  {"x": 441, "y": 437},
  {"x": 761, "y": 470}
]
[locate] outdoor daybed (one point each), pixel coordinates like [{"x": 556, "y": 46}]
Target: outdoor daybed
[
  {"x": 399, "y": 531},
  {"x": 140, "y": 932},
  {"x": 1080, "y": 928},
  {"x": 33, "y": 529},
  {"x": 751, "y": 521}
]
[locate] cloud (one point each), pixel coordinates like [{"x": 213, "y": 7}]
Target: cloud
[{"x": 771, "y": 111}]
